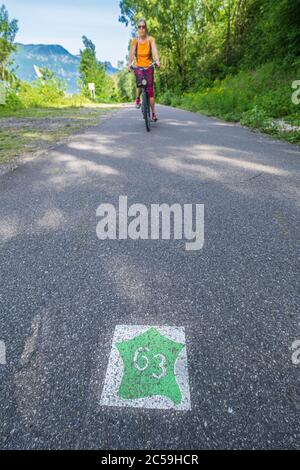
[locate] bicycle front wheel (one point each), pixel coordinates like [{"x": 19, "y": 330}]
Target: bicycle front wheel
[{"x": 146, "y": 111}]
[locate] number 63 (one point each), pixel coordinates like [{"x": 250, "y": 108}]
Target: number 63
[{"x": 145, "y": 363}]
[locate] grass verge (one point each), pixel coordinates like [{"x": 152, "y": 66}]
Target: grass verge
[{"x": 33, "y": 129}]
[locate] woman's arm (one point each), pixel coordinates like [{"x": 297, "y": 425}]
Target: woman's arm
[
  {"x": 155, "y": 53},
  {"x": 131, "y": 54}
]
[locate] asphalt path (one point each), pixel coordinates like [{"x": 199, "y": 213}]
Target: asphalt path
[{"x": 63, "y": 292}]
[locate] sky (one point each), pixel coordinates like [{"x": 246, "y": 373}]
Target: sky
[{"x": 64, "y": 22}]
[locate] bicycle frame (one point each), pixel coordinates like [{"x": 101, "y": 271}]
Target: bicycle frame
[{"x": 145, "y": 97}]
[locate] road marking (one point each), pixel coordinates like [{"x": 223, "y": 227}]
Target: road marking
[
  {"x": 2, "y": 353},
  {"x": 147, "y": 368}
]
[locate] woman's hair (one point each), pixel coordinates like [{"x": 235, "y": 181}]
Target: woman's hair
[{"x": 142, "y": 20}]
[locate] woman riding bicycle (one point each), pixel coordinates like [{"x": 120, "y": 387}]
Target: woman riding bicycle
[{"x": 142, "y": 49}]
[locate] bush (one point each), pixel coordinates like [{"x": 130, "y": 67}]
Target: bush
[
  {"x": 256, "y": 118},
  {"x": 176, "y": 101},
  {"x": 255, "y": 97},
  {"x": 12, "y": 101},
  {"x": 166, "y": 98},
  {"x": 41, "y": 93},
  {"x": 126, "y": 85},
  {"x": 277, "y": 103}
]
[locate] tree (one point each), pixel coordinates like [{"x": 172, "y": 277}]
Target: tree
[
  {"x": 169, "y": 21},
  {"x": 203, "y": 40},
  {"x": 8, "y": 31},
  {"x": 91, "y": 70},
  {"x": 51, "y": 83},
  {"x": 126, "y": 84},
  {"x": 47, "y": 74}
]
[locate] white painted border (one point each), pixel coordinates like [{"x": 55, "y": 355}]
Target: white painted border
[
  {"x": 2, "y": 353},
  {"x": 115, "y": 371}
]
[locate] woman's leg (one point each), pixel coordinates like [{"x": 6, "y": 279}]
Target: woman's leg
[
  {"x": 138, "y": 90},
  {"x": 152, "y": 104},
  {"x": 150, "y": 78}
]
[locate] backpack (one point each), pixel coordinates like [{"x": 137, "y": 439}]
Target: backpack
[{"x": 137, "y": 46}]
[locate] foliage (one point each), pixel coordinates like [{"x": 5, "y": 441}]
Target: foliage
[
  {"x": 256, "y": 117},
  {"x": 8, "y": 31},
  {"x": 268, "y": 87},
  {"x": 92, "y": 71},
  {"x": 126, "y": 85},
  {"x": 43, "y": 93},
  {"x": 204, "y": 40},
  {"x": 257, "y": 99},
  {"x": 235, "y": 59}
]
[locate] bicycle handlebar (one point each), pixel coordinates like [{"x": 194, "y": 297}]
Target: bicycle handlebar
[{"x": 134, "y": 67}]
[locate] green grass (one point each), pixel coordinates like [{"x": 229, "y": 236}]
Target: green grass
[
  {"x": 255, "y": 98},
  {"x": 32, "y": 129},
  {"x": 83, "y": 112}
]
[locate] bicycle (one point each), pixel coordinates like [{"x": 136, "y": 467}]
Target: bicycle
[{"x": 145, "y": 96}]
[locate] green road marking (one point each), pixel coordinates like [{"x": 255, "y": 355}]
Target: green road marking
[{"x": 149, "y": 367}]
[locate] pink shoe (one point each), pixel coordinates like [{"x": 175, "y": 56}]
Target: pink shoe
[
  {"x": 138, "y": 103},
  {"x": 154, "y": 117}
]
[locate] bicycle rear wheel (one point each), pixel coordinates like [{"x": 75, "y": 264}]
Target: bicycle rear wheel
[{"x": 146, "y": 111}]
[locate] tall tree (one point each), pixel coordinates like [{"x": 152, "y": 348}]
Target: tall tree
[
  {"x": 91, "y": 70},
  {"x": 204, "y": 40},
  {"x": 8, "y": 31},
  {"x": 168, "y": 21}
]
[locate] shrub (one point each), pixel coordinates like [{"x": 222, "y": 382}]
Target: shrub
[
  {"x": 255, "y": 97},
  {"x": 256, "y": 118},
  {"x": 12, "y": 101},
  {"x": 176, "y": 101},
  {"x": 166, "y": 98},
  {"x": 41, "y": 93}
]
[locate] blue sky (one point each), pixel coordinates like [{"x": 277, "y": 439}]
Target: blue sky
[{"x": 66, "y": 21}]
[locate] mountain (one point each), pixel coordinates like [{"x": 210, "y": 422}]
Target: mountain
[{"x": 55, "y": 57}]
